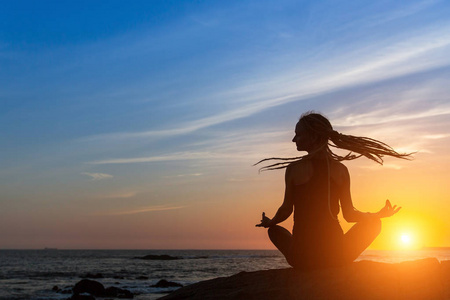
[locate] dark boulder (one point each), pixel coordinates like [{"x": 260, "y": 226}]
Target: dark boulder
[
  {"x": 118, "y": 293},
  {"x": 89, "y": 286},
  {"x": 164, "y": 284},
  {"x": 93, "y": 276},
  {"x": 97, "y": 289}
]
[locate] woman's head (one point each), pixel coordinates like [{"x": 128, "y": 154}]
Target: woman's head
[{"x": 312, "y": 132}]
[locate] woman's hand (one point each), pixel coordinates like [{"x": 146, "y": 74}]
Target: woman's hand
[
  {"x": 265, "y": 221},
  {"x": 387, "y": 210}
]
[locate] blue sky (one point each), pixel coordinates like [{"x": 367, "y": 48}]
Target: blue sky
[{"x": 107, "y": 99}]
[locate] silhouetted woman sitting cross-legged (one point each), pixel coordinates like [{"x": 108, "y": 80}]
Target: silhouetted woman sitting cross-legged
[{"x": 317, "y": 184}]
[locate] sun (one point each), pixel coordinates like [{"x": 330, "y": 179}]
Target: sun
[{"x": 405, "y": 239}]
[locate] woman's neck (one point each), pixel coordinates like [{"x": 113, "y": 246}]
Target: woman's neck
[{"x": 320, "y": 154}]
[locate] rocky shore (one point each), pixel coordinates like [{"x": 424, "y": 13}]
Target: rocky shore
[
  {"x": 87, "y": 289},
  {"x": 420, "y": 279}
]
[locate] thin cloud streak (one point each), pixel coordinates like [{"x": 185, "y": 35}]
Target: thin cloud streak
[
  {"x": 173, "y": 157},
  {"x": 141, "y": 210},
  {"x": 382, "y": 116},
  {"x": 384, "y": 166},
  {"x": 401, "y": 13},
  {"x": 224, "y": 146},
  {"x": 118, "y": 195},
  {"x": 185, "y": 175},
  {"x": 97, "y": 176},
  {"x": 436, "y": 136}
]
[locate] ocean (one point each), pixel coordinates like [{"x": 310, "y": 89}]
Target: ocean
[{"x": 32, "y": 274}]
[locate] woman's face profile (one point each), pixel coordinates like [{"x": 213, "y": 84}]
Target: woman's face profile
[{"x": 301, "y": 138}]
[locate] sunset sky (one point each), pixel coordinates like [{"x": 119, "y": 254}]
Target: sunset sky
[{"x": 135, "y": 125}]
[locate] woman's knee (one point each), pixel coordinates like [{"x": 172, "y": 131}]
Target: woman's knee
[
  {"x": 274, "y": 231},
  {"x": 278, "y": 233}
]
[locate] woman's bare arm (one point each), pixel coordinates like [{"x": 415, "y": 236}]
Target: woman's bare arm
[
  {"x": 353, "y": 215},
  {"x": 348, "y": 210},
  {"x": 285, "y": 209}
]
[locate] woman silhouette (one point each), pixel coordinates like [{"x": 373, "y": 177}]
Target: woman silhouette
[{"x": 317, "y": 185}]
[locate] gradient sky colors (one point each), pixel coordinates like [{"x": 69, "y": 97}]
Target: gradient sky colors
[{"x": 135, "y": 125}]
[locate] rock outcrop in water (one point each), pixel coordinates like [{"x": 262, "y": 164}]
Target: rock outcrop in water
[
  {"x": 421, "y": 279},
  {"x": 159, "y": 257},
  {"x": 95, "y": 288},
  {"x": 165, "y": 284}
]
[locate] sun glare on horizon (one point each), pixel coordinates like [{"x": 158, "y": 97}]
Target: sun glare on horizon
[{"x": 407, "y": 241}]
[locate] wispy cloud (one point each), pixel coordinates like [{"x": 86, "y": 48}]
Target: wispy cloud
[
  {"x": 97, "y": 176},
  {"x": 410, "y": 9},
  {"x": 436, "y": 136},
  {"x": 140, "y": 210},
  {"x": 184, "y": 175},
  {"x": 172, "y": 157},
  {"x": 385, "y": 115},
  {"x": 118, "y": 195},
  {"x": 376, "y": 167},
  {"x": 240, "y": 144}
]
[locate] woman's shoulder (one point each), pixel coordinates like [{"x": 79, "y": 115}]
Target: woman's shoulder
[
  {"x": 299, "y": 165},
  {"x": 299, "y": 172},
  {"x": 339, "y": 165},
  {"x": 339, "y": 172}
]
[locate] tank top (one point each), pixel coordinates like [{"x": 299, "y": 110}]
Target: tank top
[{"x": 317, "y": 235}]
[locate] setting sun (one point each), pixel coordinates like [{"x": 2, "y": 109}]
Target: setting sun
[{"x": 406, "y": 239}]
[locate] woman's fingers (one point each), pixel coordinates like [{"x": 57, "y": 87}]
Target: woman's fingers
[
  {"x": 388, "y": 204},
  {"x": 262, "y": 220}
]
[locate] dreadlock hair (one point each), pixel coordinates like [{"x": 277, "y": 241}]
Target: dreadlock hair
[{"x": 323, "y": 136}]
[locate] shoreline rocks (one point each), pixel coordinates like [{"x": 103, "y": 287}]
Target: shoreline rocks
[
  {"x": 414, "y": 280},
  {"x": 95, "y": 288}
]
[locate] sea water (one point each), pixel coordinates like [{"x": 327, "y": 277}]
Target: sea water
[{"x": 31, "y": 274}]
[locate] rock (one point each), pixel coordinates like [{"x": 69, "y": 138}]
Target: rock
[
  {"x": 164, "y": 283},
  {"x": 93, "y": 276},
  {"x": 415, "y": 280},
  {"x": 159, "y": 257},
  {"x": 89, "y": 286},
  {"x": 55, "y": 288},
  {"x": 97, "y": 289},
  {"x": 118, "y": 293}
]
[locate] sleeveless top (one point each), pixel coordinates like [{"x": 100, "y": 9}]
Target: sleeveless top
[{"x": 317, "y": 234}]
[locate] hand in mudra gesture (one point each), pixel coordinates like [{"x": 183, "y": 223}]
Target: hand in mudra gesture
[
  {"x": 388, "y": 210},
  {"x": 265, "y": 221}
]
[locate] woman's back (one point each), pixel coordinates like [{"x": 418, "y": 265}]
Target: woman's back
[{"x": 315, "y": 215}]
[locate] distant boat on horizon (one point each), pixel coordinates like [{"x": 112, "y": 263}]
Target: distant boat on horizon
[{"x": 47, "y": 248}]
